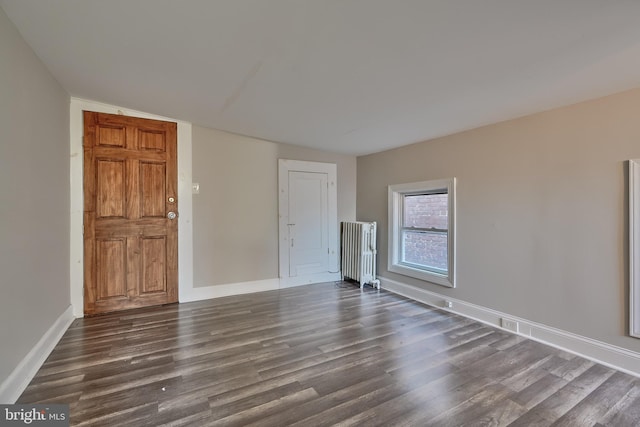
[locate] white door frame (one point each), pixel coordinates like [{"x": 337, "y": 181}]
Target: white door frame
[{"x": 284, "y": 167}]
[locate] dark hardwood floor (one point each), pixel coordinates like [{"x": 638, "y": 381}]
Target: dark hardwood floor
[{"x": 321, "y": 355}]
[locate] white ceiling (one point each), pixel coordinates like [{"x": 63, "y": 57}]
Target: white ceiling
[{"x": 351, "y": 76}]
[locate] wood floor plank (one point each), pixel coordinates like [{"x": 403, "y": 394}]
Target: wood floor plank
[
  {"x": 428, "y": 399},
  {"x": 626, "y": 412},
  {"x": 333, "y": 407},
  {"x": 469, "y": 411},
  {"x": 531, "y": 374},
  {"x": 597, "y": 403},
  {"x": 539, "y": 390},
  {"x": 320, "y": 355},
  {"x": 256, "y": 413},
  {"x": 563, "y": 400},
  {"x": 500, "y": 415},
  {"x": 572, "y": 368}
]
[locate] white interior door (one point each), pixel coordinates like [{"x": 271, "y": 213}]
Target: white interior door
[
  {"x": 308, "y": 231},
  {"x": 308, "y": 222}
]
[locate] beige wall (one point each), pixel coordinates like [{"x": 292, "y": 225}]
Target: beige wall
[
  {"x": 34, "y": 194},
  {"x": 235, "y": 216},
  {"x": 541, "y": 212}
]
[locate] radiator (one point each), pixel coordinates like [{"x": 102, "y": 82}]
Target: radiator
[{"x": 358, "y": 252}]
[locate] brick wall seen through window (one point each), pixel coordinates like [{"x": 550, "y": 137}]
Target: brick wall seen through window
[{"x": 425, "y": 248}]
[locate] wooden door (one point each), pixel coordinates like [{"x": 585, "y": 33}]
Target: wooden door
[{"x": 130, "y": 187}]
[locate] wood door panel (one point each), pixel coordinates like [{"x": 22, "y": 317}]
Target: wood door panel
[
  {"x": 131, "y": 247},
  {"x": 152, "y": 140},
  {"x": 110, "y": 180},
  {"x": 154, "y": 265},
  {"x": 117, "y": 120},
  {"x": 110, "y": 136},
  {"x": 153, "y": 182},
  {"x": 125, "y": 154},
  {"x": 111, "y": 280},
  {"x": 133, "y": 268},
  {"x": 140, "y": 228}
]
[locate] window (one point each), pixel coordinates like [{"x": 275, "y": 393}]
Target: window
[{"x": 422, "y": 230}]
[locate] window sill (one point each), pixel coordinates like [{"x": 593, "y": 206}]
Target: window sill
[{"x": 428, "y": 276}]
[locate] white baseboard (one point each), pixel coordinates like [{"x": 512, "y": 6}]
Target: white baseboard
[
  {"x": 217, "y": 291},
  {"x": 289, "y": 282},
  {"x": 606, "y": 354},
  {"x": 12, "y": 387}
]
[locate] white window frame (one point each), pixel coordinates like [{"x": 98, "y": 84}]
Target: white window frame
[
  {"x": 634, "y": 248},
  {"x": 396, "y": 205}
]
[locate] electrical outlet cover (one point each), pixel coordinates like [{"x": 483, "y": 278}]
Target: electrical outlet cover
[{"x": 510, "y": 324}]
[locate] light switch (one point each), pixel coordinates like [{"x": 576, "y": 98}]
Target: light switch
[{"x": 195, "y": 186}]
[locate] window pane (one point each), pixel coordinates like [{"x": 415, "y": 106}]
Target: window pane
[
  {"x": 425, "y": 249},
  {"x": 426, "y": 211}
]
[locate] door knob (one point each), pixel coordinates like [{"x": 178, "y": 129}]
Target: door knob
[{"x": 172, "y": 215}]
